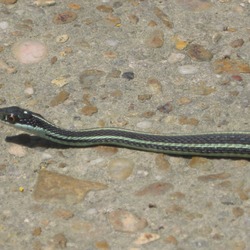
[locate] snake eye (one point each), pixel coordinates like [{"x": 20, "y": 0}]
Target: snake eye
[{"x": 11, "y": 118}]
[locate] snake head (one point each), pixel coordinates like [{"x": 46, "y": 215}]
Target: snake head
[{"x": 16, "y": 116}]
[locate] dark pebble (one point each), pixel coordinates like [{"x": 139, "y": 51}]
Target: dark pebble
[{"x": 128, "y": 75}]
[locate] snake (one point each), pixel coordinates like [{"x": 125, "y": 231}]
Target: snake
[{"x": 211, "y": 144}]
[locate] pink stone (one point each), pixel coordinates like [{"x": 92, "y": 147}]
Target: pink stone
[{"x": 29, "y": 52}]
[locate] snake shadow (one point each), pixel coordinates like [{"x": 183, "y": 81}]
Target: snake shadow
[{"x": 32, "y": 141}]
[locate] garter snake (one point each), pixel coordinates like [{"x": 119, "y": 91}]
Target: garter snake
[{"x": 217, "y": 144}]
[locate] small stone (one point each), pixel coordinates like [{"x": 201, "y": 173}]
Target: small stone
[
  {"x": 184, "y": 101},
  {"x": 89, "y": 110},
  {"x": 162, "y": 163},
  {"x": 181, "y": 44},
  {"x": 64, "y": 17},
  {"x": 145, "y": 97},
  {"x": 163, "y": 17},
  {"x": 166, "y": 108},
  {"x": 52, "y": 186},
  {"x": 62, "y": 38},
  {"x": 120, "y": 168},
  {"x": 183, "y": 120},
  {"x": 237, "y": 43},
  {"x": 200, "y": 163},
  {"x": 188, "y": 69},
  {"x": 7, "y": 2},
  {"x": 231, "y": 66},
  {"x": 238, "y": 212},
  {"x": 91, "y": 76},
  {"x": 17, "y": 150},
  {"x": 133, "y": 19},
  {"x": 45, "y": 2},
  {"x": 155, "y": 189},
  {"x": 195, "y": 5},
  {"x": 60, "y": 81},
  {"x": 128, "y": 75},
  {"x": 102, "y": 245},
  {"x": 64, "y": 214},
  {"x": 124, "y": 221},
  {"x": 144, "y": 125},
  {"x": 29, "y": 91},
  {"x": 74, "y": 6},
  {"x": 29, "y": 52},
  {"x": 114, "y": 20},
  {"x": 115, "y": 73},
  {"x": 214, "y": 177},
  {"x": 105, "y": 8},
  {"x": 175, "y": 57},
  {"x": 199, "y": 53},
  {"x": 60, "y": 98},
  {"x": 37, "y": 231},
  {"x": 4, "y": 25},
  {"x": 59, "y": 241},
  {"x": 4, "y": 66},
  {"x": 154, "y": 85},
  {"x": 155, "y": 39},
  {"x": 171, "y": 240},
  {"x": 145, "y": 238},
  {"x": 237, "y": 78}
]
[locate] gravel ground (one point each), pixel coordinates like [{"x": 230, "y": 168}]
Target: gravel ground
[{"x": 155, "y": 66}]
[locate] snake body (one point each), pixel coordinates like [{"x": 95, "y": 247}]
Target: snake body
[{"x": 214, "y": 144}]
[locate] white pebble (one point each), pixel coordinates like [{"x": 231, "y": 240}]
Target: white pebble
[
  {"x": 144, "y": 124},
  {"x": 175, "y": 57},
  {"x": 29, "y": 91},
  {"x": 112, "y": 42},
  {"x": 120, "y": 168},
  {"x": 188, "y": 69},
  {"x": 4, "y": 25},
  {"x": 17, "y": 150}
]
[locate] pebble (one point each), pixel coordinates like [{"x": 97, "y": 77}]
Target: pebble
[
  {"x": 7, "y": 68},
  {"x": 145, "y": 238},
  {"x": 214, "y": 177},
  {"x": 155, "y": 189},
  {"x": 45, "y": 2},
  {"x": 58, "y": 241},
  {"x": 4, "y": 25},
  {"x": 91, "y": 76},
  {"x": 144, "y": 125},
  {"x": 195, "y": 5},
  {"x": 199, "y": 53},
  {"x": 64, "y": 17},
  {"x": 188, "y": 69},
  {"x": 165, "y": 108},
  {"x": 162, "y": 163},
  {"x": 7, "y": 2},
  {"x": 60, "y": 81},
  {"x": 113, "y": 20},
  {"x": 183, "y": 120},
  {"x": 125, "y": 221},
  {"x": 62, "y": 38},
  {"x": 154, "y": 85},
  {"x": 61, "y": 97},
  {"x": 128, "y": 75},
  {"x": 232, "y": 66},
  {"x": 29, "y": 52},
  {"x": 29, "y": 91},
  {"x": 17, "y": 150},
  {"x": 163, "y": 17},
  {"x": 51, "y": 186},
  {"x": 89, "y": 110},
  {"x": 105, "y": 8},
  {"x": 155, "y": 39},
  {"x": 237, "y": 43},
  {"x": 120, "y": 168},
  {"x": 175, "y": 57}
]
